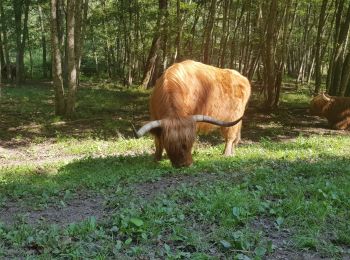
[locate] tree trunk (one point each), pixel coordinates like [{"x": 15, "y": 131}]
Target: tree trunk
[
  {"x": 345, "y": 77},
  {"x": 30, "y": 60},
  {"x": 43, "y": 42},
  {"x": 347, "y": 92},
  {"x": 72, "y": 13},
  {"x": 190, "y": 42},
  {"x": 80, "y": 30},
  {"x": 2, "y": 57},
  {"x": 20, "y": 9},
  {"x": 268, "y": 57},
  {"x": 5, "y": 41},
  {"x": 342, "y": 30},
  {"x": 321, "y": 22},
  {"x": 164, "y": 37},
  {"x": 152, "y": 56},
  {"x": 57, "y": 58},
  {"x": 283, "y": 49},
  {"x": 178, "y": 39},
  {"x": 1, "y": 60},
  {"x": 225, "y": 33},
  {"x": 208, "y": 32}
]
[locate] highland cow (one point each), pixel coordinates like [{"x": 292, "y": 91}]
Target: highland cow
[
  {"x": 189, "y": 97},
  {"x": 335, "y": 109}
]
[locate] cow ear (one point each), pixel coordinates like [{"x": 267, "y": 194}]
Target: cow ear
[{"x": 325, "y": 97}]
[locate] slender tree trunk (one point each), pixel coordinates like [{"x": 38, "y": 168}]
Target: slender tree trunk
[
  {"x": 347, "y": 92},
  {"x": 225, "y": 33},
  {"x": 71, "y": 55},
  {"x": 1, "y": 60},
  {"x": 80, "y": 30},
  {"x": 5, "y": 41},
  {"x": 209, "y": 32},
  {"x": 321, "y": 22},
  {"x": 288, "y": 20},
  {"x": 2, "y": 57},
  {"x": 342, "y": 30},
  {"x": 152, "y": 56},
  {"x": 30, "y": 59},
  {"x": 2, "y": 47},
  {"x": 178, "y": 39},
  {"x": 43, "y": 42},
  {"x": 20, "y": 9},
  {"x": 165, "y": 34},
  {"x": 95, "y": 54},
  {"x": 190, "y": 42},
  {"x": 345, "y": 77},
  {"x": 269, "y": 55},
  {"x": 57, "y": 58}
]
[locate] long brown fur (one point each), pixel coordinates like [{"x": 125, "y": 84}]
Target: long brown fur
[
  {"x": 190, "y": 88},
  {"x": 336, "y": 110}
]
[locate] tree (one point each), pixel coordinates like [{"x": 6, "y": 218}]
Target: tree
[
  {"x": 21, "y": 10},
  {"x": 65, "y": 100},
  {"x": 321, "y": 22},
  {"x": 156, "y": 42},
  {"x": 57, "y": 57},
  {"x": 339, "y": 72},
  {"x": 43, "y": 42},
  {"x": 73, "y": 24},
  {"x": 207, "y": 38},
  {"x": 4, "y": 25}
]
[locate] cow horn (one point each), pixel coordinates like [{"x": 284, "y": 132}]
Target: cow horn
[
  {"x": 325, "y": 97},
  {"x": 148, "y": 127},
  {"x": 196, "y": 118},
  {"x": 211, "y": 120}
]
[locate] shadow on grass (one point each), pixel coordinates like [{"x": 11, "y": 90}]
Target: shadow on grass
[{"x": 27, "y": 114}]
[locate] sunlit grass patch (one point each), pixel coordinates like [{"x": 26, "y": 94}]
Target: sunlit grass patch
[
  {"x": 300, "y": 98},
  {"x": 96, "y": 147}
]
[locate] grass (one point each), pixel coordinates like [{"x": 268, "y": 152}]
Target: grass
[{"x": 123, "y": 205}]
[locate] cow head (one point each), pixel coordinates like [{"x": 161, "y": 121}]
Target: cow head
[
  {"x": 319, "y": 103},
  {"x": 178, "y": 135}
]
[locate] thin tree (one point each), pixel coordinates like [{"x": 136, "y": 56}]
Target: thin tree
[
  {"x": 340, "y": 67},
  {"x": 43, "y": 42},
  {"x": 153, "y": 53},
  {"x": 21, "y": 10},
  {"x": 4, "y": 24},
  {"x": 57, "y": 58},
  {"x": 321, "y": 23},
  {"x": 208, "y": 32},
  {"x": 72, "y": 14}
]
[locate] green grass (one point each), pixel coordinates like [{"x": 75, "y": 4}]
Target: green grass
[{"x": 240, "y": 207}]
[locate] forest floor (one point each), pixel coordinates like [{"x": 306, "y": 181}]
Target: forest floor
[{"x": 85, "y": 188}]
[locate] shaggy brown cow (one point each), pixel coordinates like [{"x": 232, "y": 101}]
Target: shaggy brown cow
[
  {"x": 192, "y": 96},
  {"x": 335, "y": 109}
]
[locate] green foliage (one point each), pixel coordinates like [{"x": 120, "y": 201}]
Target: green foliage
[{"x": 119, "y": 35}]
